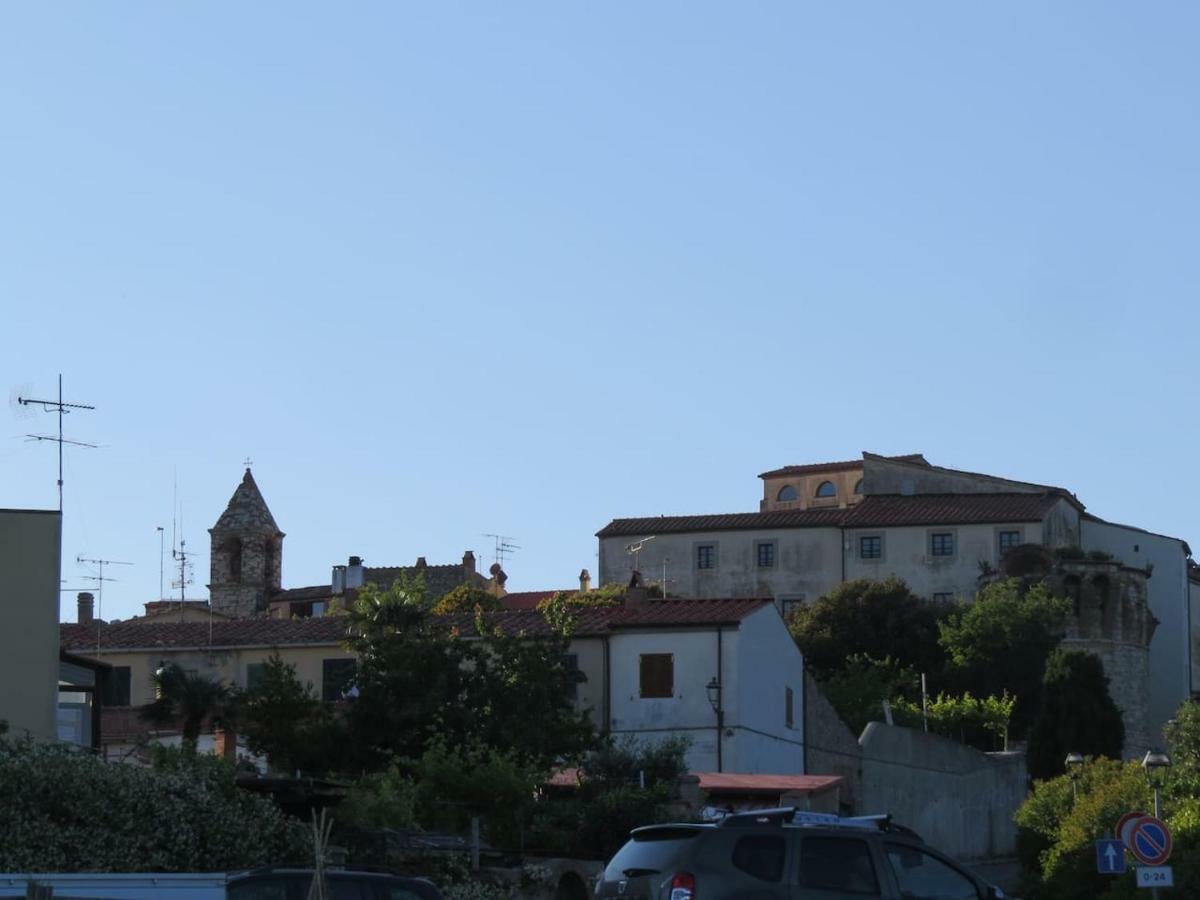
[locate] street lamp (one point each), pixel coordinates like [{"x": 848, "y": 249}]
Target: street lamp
[
  {"x": 1074, "y": 764},
  {"x": 1156, "y": 764},
  {"x": 713, "y": 689}
]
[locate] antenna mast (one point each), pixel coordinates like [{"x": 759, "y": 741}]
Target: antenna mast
[
  {"x": 99, "y": 578},
  {"x": 504, "y": 548},
  {"x": 62, "y": 409}
]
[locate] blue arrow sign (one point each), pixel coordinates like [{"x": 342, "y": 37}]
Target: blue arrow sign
[{"x": 1110, "y": 857}]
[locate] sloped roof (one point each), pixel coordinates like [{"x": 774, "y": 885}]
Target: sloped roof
[
  {"x": 874, "y": 510},
  {"x": 829, "y": 517},
  {"x": 438, "y": 579},
  {"x": 225, "y": 633},
  {"x": 735, "y": 783},
  {"x": 302, "y": 594},
  {"x": 844, "y": 466},
  {"x": 594, "y": 621},
  {"x": 882, "y": 510},
  {"x": 530, "y": 599},
  {"x": 246, "y": 510}
]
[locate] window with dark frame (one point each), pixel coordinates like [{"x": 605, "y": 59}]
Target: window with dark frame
[
  {"x": 116, "y": 686},
  {"x": 706, "y": 556},
  {"x": 788, "y": 698},
  {"x": 657, "y": 675},
  {"x": 786, "y": 494},
  {"x": 943, "y": 597},
  {"x": 766, "y": 554},
  {"x": 941, "y": 543},
  {"x": 255, "y": 672},
  {"x": 1008, "y": 540},
  {"x": 826, "y": 489},
  {"x": 337, "y": 675},
  {"x": 870, "y": 547}
]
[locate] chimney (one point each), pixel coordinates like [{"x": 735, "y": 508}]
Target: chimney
[
  {"x": 585, "y": 581},
  {"x": 468, "y": 564},
  {"x": 421, "y": 564},
  {"x": 355, "y": 574},
  {"x": 86, "y": 605},
  {"x": 337, "y": 583},
  {"x": 636, "y": 595}
]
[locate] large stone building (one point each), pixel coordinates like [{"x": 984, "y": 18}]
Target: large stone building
[{"x": 938, "y": 529}]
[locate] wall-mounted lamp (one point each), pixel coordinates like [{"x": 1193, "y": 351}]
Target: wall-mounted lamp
[{"x": 713, "y": 689}]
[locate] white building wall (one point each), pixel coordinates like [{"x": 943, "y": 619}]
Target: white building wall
[
  {"x": 1194, "y": 615},
  {"x": 807, "y": 563},
  {"x": 755, "y": 738},
  {"x": 906, "y": 555},
  {"x": 1167, "y": 597}
]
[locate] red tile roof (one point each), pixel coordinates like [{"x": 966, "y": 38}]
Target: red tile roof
[
  {"x": 529, "y": 599},
  {"x": 949, "y": 509},
  {"x": 876, "y": 510},
  {"x": 847, "y": 465},
  {"x": 595, "y": 621},
  {"x": 790, "y": 518},
  {"x": 734, "y": 783},
  {"x": 225, "y": 633}
]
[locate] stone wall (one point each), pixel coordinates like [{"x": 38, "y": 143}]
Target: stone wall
[
  {"x": 958, "y": 799},
  {"x": 830, "y": 746}
]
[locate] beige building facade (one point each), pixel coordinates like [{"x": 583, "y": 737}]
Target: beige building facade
[{"x": 30, "y": 565}]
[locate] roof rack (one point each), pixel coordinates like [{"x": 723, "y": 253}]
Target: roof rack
[{"x": 793, "y": 815}]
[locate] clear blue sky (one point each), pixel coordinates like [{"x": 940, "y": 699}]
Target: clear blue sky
[{"x": 452, "y": 269}]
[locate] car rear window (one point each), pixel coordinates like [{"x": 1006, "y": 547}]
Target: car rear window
[
  {"x": 650, "y": 851},
  {"x": 760, "y": 855},
  {"x": 838, "y": 864}
]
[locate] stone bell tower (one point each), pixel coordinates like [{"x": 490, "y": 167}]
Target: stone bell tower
[{"x": 246, "y": 551}]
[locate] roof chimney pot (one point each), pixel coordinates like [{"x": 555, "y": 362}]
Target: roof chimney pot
[{"x": 86, "y": 605}]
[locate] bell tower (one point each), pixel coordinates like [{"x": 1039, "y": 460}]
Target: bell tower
[{"x": 246, "y": 554}]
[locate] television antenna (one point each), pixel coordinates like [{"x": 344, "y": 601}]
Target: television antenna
[
  {"x": 635, "y": 550},
  {"x": 62, "y": 408},
  {"x": 504, "y": 548},
  {"x": 99, "y": 578}
]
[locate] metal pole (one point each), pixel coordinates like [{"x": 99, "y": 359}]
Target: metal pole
[
  {"x": 60, "y": 443},
  {"x": 1157, "y": 815}
]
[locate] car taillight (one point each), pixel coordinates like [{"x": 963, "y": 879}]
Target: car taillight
[{"x": 683, "y": 886}]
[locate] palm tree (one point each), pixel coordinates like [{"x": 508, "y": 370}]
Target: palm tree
[{"x": 190, "y": 698}]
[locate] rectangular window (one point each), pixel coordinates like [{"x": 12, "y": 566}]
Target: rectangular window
[
  {"x": 657, "y": 675},
  {"x": 706, "y": 556},
  {"x": 837, "y": 864},
  {"x": 570, "y": 662},
  {"x": 255, "y": 672},
  {"x": 787, "y": 707},
  {"x": 766, "y": 554},
  {"x": 870, "y": 547},
  {"x": 789, "y": 603},
  {"x": 1008, "y": 540},
  {"x": 116, "y": 686},
  {"x": 941, "y": 543},
  {"x": 337, "y": 675},
  {"x": 943, "y": 598}
]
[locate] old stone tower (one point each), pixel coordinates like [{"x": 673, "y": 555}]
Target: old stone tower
[
  {"x": 246, "y": 550},
  {"x": 1111, "y": 619}
]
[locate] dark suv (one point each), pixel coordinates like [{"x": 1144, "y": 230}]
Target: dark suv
[{"x": 786, "y": 854}]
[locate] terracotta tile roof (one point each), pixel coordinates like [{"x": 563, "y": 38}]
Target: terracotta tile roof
[
  {"x": 948, "y": 509},
  {"x": 227, "y": 633},
  {"x": 847, "y": 465},
  {"x": 438, "y": 579},
  {"x": 302, "y": 594},
  {"x": 789, "y": 518},
  {"x": 530, "y": 599},
  {"x": 876, "y": 510},
  {"x": 592, "y": 622},
  {"x": 734, "y": 783}
]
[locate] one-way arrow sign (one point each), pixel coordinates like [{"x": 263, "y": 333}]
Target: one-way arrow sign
[{"x": 1110, "y": 857}]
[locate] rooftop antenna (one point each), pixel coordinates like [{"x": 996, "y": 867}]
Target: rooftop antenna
[
  {"x": 99, "y": 578},
  {"x": 635, "y": 550},
  {"x": 504, "y": 548},
  {"x": 57, "y": 406}
]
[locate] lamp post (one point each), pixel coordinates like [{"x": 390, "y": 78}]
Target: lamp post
[
  {"x": 1074, "y": 764},
  {"x": 1156, "y": 764},
  {"x": 713, "y": 689}
]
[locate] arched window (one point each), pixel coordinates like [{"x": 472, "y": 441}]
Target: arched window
[
  {"x": 858, "y": 486},
  {"x": 826, "y": 489},
  {"x": 787, "y": 492},
  {"x": 235, "y": 560}
]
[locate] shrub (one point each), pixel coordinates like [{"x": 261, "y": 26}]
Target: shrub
[
  {"x": 858, "y": 690},
  {"x": 187, "y": 816},
  {"x": 1077, "y": 714}
]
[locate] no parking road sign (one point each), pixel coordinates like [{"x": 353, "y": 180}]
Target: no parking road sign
[{"x": 1148, "y": 838}]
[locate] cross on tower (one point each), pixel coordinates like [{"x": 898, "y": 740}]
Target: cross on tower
[{"x": 247, "y": 462}]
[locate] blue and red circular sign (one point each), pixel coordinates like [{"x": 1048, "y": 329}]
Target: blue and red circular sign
[{"x": 1149, "y": 839}]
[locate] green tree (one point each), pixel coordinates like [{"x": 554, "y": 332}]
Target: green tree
[
  {"x": 1077, "y": 713},
  {"x": 285, "y": 721},
  {"x": 190, "y": 699},
  {"x": 186, "y": 816},
  {"x": 465, "y": 598},
  {"x": 878, "y": 619},
  {"x": 1000, "y": 643},
  {"x": 858, "y": 689}
]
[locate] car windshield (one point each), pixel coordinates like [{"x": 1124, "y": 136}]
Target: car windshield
[{"x": 649, "y": 852}]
